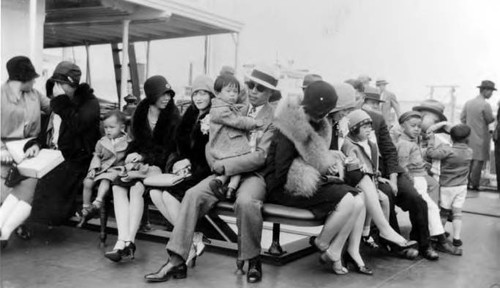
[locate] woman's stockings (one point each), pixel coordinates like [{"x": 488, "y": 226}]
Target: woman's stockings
[
  {"x": 136, "y": 209},
  {"x": 375, "y": 211},
  {"x": 355, "y": 237},
  {"x": 335, "y": 221},
  {"x": 121, "y": 206}
]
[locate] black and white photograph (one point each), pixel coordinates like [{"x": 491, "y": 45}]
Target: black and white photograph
[{"x": 250, "y": 143}]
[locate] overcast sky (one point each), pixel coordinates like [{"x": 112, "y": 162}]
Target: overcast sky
[{"x": 412, "y": 43}]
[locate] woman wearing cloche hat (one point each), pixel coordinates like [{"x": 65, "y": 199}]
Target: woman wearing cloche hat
[
  {"x": 73, "y": 128},
  {"x": 191, "y": 137},
  {"x": 302, "y": 171},
  {"x": 21, "y": 119},
  {"x": 153, "y": 127}
]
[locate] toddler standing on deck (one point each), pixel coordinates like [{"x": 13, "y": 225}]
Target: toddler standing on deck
[
  {"x": 229, "y": 131},
  {"x": 455, "y": 165},
  {"x": 109, "y": 153}
]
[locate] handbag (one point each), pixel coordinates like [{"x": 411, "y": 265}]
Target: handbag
[
  {"x": 13, "y": 177},
  {"x": 164, "y": 180}
]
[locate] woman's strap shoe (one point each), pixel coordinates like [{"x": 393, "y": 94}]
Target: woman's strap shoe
[
  {"x": 167, "y": 271},
  {"x": 359, "y": 269},
  {"x": 115, "y": 255}
]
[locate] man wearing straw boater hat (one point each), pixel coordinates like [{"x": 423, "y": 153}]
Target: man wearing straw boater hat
[
  {"x": 478, "y": 115},
  {"x": 249, "y": 195}
]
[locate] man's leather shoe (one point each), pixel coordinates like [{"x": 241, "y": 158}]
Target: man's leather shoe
[
  {"x": 254, "y": 274},
  {"x": 430, "y": 254},
  {"x": 166, "y": 271},
  {"x": 446, "y": 247}
]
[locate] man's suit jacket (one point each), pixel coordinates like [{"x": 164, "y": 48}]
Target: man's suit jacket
[{"x": 254, "y": 161}]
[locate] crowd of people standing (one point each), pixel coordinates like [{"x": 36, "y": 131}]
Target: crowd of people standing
[{"x": 334, "y": 150}]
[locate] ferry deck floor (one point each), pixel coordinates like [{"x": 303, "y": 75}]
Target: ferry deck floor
[{"x": 70, "y": 257}]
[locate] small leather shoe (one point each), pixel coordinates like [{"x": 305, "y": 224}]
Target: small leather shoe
[
  {"x": 430, "y": 254},
  {"x": 446, "y": 247},
  {"x": 163, "y": 274},
  {"x": 254, "y": 274}
]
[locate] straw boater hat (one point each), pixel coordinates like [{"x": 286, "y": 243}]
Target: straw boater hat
[
  {"x": 433, "y": 106},
  {"x": 265, "y": 76},
  {"x": 381, "y": 81}
]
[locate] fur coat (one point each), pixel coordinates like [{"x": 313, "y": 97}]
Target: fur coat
[
  {"x": 155, "y": 146},
  {"x": 312, "y": 145},
  {"x": 191, "y": 142},
  {"x": 79, "y": 130}
]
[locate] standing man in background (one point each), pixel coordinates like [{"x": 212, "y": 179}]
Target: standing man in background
[
  {"x": 478, "y": 115},
  {"x": 390, "y": 102}
]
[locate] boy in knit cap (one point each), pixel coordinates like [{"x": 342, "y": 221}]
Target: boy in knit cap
[
  {"x": 410, "y": 157},
  {"x": 455, "y": 164}
]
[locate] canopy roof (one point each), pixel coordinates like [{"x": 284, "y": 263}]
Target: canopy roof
[{"x": 81, "y": 22}]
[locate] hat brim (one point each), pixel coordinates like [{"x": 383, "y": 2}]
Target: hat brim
[
  {"x": 487, "y": 87},
  {"x": 263, "y": 83},
  {"x": 378, "y": 100},
  {"x": 345, "y": 107},
  {"x": 430, "y": 109}
]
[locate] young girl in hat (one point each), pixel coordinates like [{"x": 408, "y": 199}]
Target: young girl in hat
[
  {"x": 229, "y": 130},
  {"x": 362, "y": 166},
  {"x": 363, "y": 157}
]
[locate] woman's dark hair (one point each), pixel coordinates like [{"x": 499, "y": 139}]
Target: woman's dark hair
[
  {"x": 226, "y": 80},
  {"x": 49, "y": 88},
  {"x": 120, "y": 116},
  {"x": 355, "y": 131}
]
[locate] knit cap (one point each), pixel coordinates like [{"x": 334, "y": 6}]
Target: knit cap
[
  {"x": 319, "y": 99},
  {"x": 358, "y": 118},
  {"x": 203, "y": 82},
  {"x": 460, "y": 132},
  {"x": 407, "y": 115}
]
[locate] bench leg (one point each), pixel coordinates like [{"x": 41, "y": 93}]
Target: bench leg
[
  {"x": 104, "y": 222},
  {"x": 275, "y": 248}
]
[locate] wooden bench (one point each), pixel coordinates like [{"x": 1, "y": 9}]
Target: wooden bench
[{"x": 226, "y": 239}]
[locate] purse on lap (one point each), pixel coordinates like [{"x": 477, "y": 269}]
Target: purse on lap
[{"x": 13, "y": 177}]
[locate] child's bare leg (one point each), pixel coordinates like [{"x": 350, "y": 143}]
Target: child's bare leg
[
  {"x": 457, "y": 225},
  {"x": 102, "y": 191},
  {"x": 88, "y": 184},
  {"x": 222, "y": 178},
  {"x": 384, "y": 203}
]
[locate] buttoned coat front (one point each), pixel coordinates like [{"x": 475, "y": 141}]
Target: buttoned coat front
[{"x": 478, "y": 115}]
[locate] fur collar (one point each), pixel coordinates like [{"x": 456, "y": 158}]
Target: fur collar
[
  {"x": 141, "y": 130},
  {"x": 312, "y": 145}
]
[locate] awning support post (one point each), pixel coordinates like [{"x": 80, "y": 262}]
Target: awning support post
[
  {"x": 87, "y": 52},
  {"x": 148, "y": 58},
  {"x": 124, "y": 68},
  {"x": 236, "y": 40}
]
